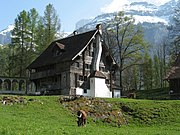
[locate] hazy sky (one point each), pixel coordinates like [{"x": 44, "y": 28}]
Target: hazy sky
[{"x": 69, "y": 11}]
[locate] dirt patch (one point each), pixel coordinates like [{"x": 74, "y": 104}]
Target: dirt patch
[{"x": 98, "y": 109}]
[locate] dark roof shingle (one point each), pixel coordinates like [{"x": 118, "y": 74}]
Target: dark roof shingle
[
  {"x": 98, "y": 74},
  {"x": 72, "y": 46}
]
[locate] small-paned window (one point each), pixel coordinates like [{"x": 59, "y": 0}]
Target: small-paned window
[
  {"x": 87, "y": 66},
  {"x": 81, "y": 78},
  {"x": 102, "y": 69},
  {"x": 85, "y": 90}
]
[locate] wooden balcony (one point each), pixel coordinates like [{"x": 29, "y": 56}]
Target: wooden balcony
[{"x": 42, "y": 74}]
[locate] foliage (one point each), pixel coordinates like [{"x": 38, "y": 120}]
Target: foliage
[
  {"x": 125, "y": 42},
  {"x": 147, "y": 72},
  {"x": 51, "y": 24},
  {"x": 20, "y": 42},
  {"x": 157, "y": 94},
  {"x": 5, "y": 60},
  {"x": 31, "y": 35}
]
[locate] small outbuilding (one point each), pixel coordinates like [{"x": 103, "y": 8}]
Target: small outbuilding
[{"x": 173, "y": 77}]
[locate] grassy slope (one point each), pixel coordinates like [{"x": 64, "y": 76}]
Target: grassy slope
[
  {"x": 45, "y": 116},
  {"x": 149, "y": 112},
  {"x": 161, "y": 93}
]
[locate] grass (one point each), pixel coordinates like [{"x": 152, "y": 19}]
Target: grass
[
  {"x": 149, "y": 112},
  {"x": 46, "y": 116},
  {"x": 161, "y": 93}
]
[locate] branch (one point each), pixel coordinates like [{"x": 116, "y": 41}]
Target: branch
[
  {"x": 135, "y": 64},
  {"x": 130, "y": 43}
]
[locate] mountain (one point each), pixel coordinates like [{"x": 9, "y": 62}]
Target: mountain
[
  {"x": 153, "y": 19},
  {"x": 5, "y": 35}
]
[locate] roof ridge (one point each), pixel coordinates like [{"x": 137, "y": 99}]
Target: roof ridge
[{"x": 70, "y": 36}]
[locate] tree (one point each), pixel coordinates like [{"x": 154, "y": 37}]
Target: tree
[
  {"x": 32, "y": 27},
  {"x": 157, "y": 72},
  {"x": 20, "y": 40},
  {"x": 147, "y": 72},
  {"x": 4, "y": 50},
  {"x": 128, "y": 43},
  {"x": 51, "y": 24}
]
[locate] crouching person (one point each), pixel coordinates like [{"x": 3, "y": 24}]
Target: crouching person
[{"x": 82, "y": 116}]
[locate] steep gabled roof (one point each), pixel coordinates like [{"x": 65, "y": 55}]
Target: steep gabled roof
[
  {"x": 71, "y": 47},
  {"x": 174, "y": 73}
]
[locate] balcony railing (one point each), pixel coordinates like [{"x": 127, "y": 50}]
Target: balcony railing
[{"x": 42, "y": 74}]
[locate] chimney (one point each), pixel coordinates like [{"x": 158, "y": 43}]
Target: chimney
[
  {"x": 75, "y": 32},
  {"x": 98, "y": 51},
  {"x": 99, "y": 27}
]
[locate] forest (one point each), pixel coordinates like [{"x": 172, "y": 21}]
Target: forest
[{"x": 138, "y": 67}]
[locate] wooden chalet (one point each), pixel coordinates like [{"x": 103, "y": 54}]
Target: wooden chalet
[
  {"x": 77, "y": 65},
  {"x": 173, "y": 77}
]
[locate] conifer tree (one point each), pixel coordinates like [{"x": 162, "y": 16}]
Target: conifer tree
[
  {"x": 40, "y": 37},
  {"x": 20, "y": 41},
  {"x": 156, "y": 72},
  {"x": 147, "y": 72},
  {"x": 51, "y": 24},
  {"x": 32, "y": 28}
]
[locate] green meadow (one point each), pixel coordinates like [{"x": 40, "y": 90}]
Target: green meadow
[{"x": 45, "y": 115}]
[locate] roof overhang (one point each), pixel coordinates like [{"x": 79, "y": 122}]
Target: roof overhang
[{"x": 80, "y": 52}]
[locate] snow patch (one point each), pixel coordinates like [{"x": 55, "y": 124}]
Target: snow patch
[
  {"x": 117, "y": 5},
  {"x": 8, "y": 29},
  {"x": 152, "y": 19}
]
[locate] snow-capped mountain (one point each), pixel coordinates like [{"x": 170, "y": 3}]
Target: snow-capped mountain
[
  {"x": 5, "y": 35},
  {"x": 154, "y": 19},
  {"x": 141, "y": 11}
]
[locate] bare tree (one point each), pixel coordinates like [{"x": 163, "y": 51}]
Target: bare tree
[{"x": 126, "y": 42}]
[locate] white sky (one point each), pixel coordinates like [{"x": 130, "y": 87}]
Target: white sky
[{"x": 116, "y": 5}]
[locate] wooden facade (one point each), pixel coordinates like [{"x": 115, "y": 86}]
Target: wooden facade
[
  {"x": 68, "y": 64},
  {"x": 173, "y": 78}
]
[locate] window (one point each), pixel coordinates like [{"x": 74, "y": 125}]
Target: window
[
  {"x": 87, "y": 66},
  {"x": 102, "y": 69},
  {"x": 55, "y": 79},
  {"x": 85, "y": 90},
  {"x": 107, "y": 81},
  {"x": 89, "y": 47},
  {"x": 81, "y": 78},
  {"x": 85, "y": 78},
  {"x": 57, "y": 53},
  {"x": 76, "y": 64},
  {"x": 92, "y": 54}
]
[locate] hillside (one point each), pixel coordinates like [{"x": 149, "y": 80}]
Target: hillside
[
  {"x": 45, "y": 115},
  {"x": 157, "y": 94},
  {"x": 117, "y": 112}
]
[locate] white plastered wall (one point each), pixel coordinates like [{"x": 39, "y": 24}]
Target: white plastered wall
[
  {"x": 98, "y": 88},
  {"x": 80, "y": 91}
]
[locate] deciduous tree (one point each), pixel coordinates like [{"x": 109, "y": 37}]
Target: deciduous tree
[{"x": 128, "y": 43}]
